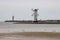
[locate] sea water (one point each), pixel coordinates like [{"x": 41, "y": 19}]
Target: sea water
[{"x": 11, "y": 27}]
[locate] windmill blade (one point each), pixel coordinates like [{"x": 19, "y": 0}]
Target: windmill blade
[
  {"x": 32, "y": 14},
  {"x": 32, "y": 9},
  {"x": 37, "y": 8}
]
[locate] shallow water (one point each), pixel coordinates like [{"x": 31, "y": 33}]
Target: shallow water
[{"x": 10, "y": 27}]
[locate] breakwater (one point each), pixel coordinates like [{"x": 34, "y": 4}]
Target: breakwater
[{"x": 35, "y": 22}]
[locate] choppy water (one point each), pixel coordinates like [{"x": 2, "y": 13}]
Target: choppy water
[{"x": 10, "y": 27}]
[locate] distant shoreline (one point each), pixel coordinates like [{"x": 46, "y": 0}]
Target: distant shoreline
[{"x": 34, "y": 22}]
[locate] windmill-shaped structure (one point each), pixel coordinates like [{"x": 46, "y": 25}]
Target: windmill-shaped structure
[{"x": 35, "y": 14}]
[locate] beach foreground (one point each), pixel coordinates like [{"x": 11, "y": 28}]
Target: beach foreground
[{"x": 30, "y": 36}]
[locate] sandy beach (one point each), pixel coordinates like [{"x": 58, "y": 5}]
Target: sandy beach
[{"x": 30, "y": 36}]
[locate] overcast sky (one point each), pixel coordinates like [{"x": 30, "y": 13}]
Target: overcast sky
[{"x": 21, "y": 9}]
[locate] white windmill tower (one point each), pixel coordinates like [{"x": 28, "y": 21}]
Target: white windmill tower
[{"x": 35, "y": 14}]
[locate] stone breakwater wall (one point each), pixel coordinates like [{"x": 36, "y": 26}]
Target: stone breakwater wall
[{"x": 35, "y": 22}]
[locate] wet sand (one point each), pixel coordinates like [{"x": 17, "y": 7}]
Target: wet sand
[{"x": 30, "y": 36}]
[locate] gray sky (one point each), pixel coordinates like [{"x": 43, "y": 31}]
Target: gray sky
[{"x": 21, "y": 9}]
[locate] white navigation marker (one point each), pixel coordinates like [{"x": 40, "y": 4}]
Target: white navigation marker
[{"x": 35, "y": 14}]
